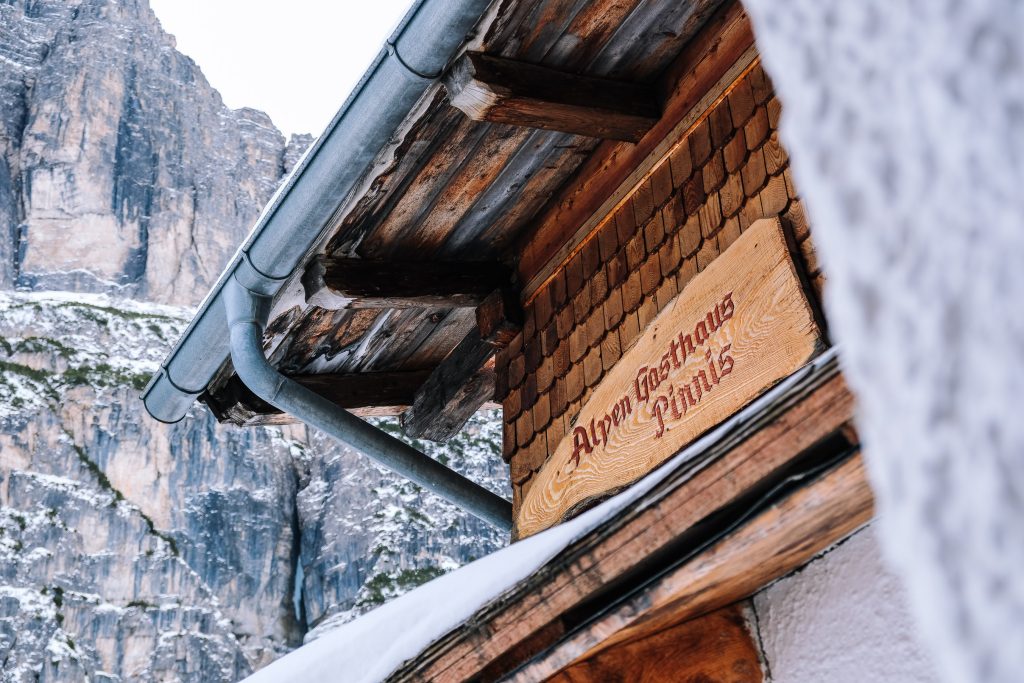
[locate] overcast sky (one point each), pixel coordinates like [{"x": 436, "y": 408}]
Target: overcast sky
[{"x": 295, "y": 60}]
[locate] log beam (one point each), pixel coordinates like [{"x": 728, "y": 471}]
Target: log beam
[
  {"x": 490, "y": 88},
  {"x": 464, "y": 380},
  {"x": 373, "y": 393},
  {"x": 456, "y": 389},
  {"x": 337, "y": 283}
]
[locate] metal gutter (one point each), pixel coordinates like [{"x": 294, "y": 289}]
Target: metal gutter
[
  {"x": 412, "y": 59},
  {"x": 247, "y": 318}
]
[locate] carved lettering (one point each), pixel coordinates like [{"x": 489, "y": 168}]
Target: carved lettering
[
  {"x": 648, "y": 380},
  {"x": 580, "y": 442},
  {"x": 660, "y": 404},
  {"x": 725, "y": 361},
  {"x": 727, "y": 307}
]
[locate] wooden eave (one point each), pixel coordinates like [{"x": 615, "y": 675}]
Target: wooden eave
[
  {"x": 455, "y": 189},
  {"x": 780, "y": 488}
]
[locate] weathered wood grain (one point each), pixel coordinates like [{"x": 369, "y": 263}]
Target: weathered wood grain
[
  {"x": 372, "y": 393},
  {"x": 715, "y": 648},
  {"x": 529, "y": 619},
  {"x": 773, "y": 544},
  {"x": 455, "y": 390},
  {"x": 451, "y": 187},
  {"x": 703, "y": 71},
  {"x": 738, "y": 328},
  {"x": 334, "y": 283},
  {"x": 491, "y": 88},
  {"x": 445, "y": 336}
]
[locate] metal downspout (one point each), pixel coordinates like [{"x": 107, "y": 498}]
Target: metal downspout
[{"x": 247, "y": 313}]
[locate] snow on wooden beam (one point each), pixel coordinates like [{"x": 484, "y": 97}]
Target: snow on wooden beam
[
  {"x": 795, "y": 431},
  {"x": 489, "y": 88}
]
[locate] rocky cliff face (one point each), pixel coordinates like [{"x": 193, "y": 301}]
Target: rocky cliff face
[
  {"x": 195, "y": 551},
  {"x": 120, "y": 167},
  {"x": 129, "y": 549}
]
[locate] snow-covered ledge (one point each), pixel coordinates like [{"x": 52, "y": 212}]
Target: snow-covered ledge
[{"x": 905, "y": 126}]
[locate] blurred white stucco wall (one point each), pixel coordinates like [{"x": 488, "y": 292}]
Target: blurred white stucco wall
[{"x": 905, "y": 127}]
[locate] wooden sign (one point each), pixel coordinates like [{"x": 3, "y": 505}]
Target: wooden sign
[{"x": 738, "y": 328}]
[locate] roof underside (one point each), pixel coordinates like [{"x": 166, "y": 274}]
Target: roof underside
[{"x": 457, "y": 189}]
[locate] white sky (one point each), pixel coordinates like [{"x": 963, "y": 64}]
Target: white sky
[{"x": 296, "y": 60}]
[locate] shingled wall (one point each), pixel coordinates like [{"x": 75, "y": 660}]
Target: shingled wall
[{"x": 728, "y": 171}]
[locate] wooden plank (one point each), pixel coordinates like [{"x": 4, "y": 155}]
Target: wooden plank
[
  {"x": 336, "y": 283},
  {"x": 448, "y": 332},
  {"x": 775, "y": 543},
  {"x": 529, "y": 619},
  {"x": 491, "y": 88},
  {"x": 371, "y": 393},
  {"x": 708, "y": 64},
  {"x": 455, "y": 390},
  {"x": 738, "y": 328},
  {"x": 716, "y": 647}
]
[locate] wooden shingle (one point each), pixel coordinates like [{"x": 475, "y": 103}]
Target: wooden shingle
[
  {"x": 710, "y": 215},
  {"x": 741, "y": 102},
  {"x": 681, "y": 163},
  {"x": 735, "y": 152},
  {"x": 720, "y": 124},
  {"x": 756, "y": 129},
  {"x": 774, "y": 197},
  {"x": 714, "y": 172},
  {"x": 693, "y": 193},
  {"x": 661, "y": 183},
  {"x": 689, "y": 236},
  {"x": 775, "y": 158},
  {"x": 700, "y": 144},
  {"x": 754, "y": 173},
  {"x": 629, "y": 330},
  {"x": 731, "y": 195}
]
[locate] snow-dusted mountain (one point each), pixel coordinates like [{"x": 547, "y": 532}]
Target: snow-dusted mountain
[
  {"x": 120, "y": 167},
  {"x": 151, "y": 552},
  {"x": 132, "y": 550}
]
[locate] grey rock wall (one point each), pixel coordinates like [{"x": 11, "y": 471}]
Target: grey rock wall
[
  {"x": 120, "y": 167},
  {"x": 132, "y": 550},
  {"x": 192, "y": 551}
]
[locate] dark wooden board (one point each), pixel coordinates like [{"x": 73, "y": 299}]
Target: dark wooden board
[
  {"x": 490, "y": 88},
  {"x": 332, "y": 282},
  {"x": 715, "y": 648}
]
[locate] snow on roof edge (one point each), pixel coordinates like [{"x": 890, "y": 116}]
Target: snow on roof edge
[{"x": 373, "y": 646}]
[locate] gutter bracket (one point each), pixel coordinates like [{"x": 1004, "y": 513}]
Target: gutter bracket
[
  {"x": 392, "y": 50},
  {"x": 247, "y": 312}
]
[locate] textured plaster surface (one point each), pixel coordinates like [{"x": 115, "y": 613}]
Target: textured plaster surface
[
  {"x": 905, "y": 127},
  {"x": 842, "y": 619}
]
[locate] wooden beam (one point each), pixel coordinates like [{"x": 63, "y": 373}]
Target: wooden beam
[
  {"x": 716, "y": 647},
  {"x": 372, "y": 393},
  {"x": 464, "y": 380},
  {"x": 499, "y": 318},
  {"x": 455, "y": 390},
  {"x": 776, "y": 542},
  {"x": 538, "y": 612},
  {"x": 490, "y": 88},
  {"x": 707, "y": 66},
  {"x": 335, "y": 283}
]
